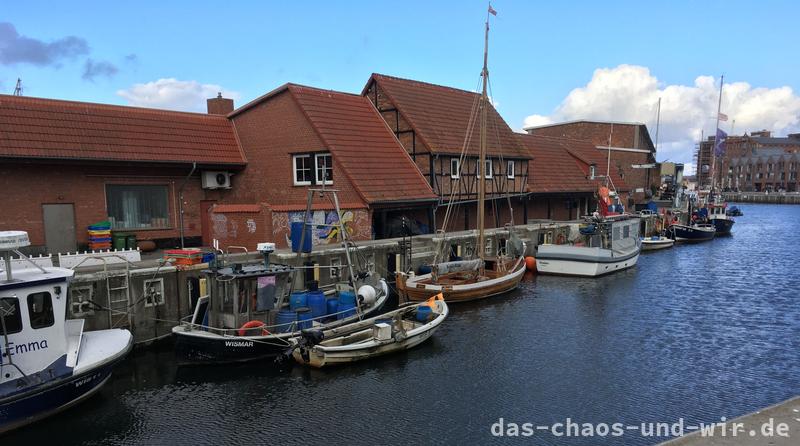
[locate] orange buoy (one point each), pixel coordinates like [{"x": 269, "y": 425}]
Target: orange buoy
[
  {"x": 253, "y": 324},
  {"x": 530, "y": 263}
]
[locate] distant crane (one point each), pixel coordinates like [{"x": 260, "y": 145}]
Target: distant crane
[{"x": 18, "y": 88}]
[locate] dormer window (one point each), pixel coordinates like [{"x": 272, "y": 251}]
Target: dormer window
[{"x": 312, "y": 168}]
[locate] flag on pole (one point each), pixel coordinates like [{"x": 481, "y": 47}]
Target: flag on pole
[
  {"x": 723, "y": 117},
  {"x": 719, "y": 143},
  {"x": 491, "y": 10}
]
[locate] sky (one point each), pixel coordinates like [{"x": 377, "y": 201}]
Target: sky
[{"x": 549, "y": 61}]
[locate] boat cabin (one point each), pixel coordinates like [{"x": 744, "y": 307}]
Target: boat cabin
[
  {"x": 241, "y": 293},
  {"x": 618, "y": 233},
  {"x": 32, "y": 324}
]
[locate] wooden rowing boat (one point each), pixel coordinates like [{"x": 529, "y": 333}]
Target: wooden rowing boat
[{"x": 397, "y": 330}]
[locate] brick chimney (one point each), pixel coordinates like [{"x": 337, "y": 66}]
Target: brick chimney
[{"x": 219, "y": 105}]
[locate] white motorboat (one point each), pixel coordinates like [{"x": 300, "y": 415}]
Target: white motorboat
[
  {"x": 49, "y": 363},
  {"x": 656, "y": 242},
  {"x": 604, "y": 246}
]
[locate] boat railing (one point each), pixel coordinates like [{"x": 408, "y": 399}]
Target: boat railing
[{"x": 291, "y": 327}]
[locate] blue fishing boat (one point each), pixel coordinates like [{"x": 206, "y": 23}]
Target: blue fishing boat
[{"x": 49, "y": 363}]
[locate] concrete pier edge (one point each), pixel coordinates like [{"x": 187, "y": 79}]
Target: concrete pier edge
[{"x": 784, "y": 412}]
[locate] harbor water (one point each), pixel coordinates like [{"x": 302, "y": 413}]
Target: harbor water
[{"x": 696, "y": 332}]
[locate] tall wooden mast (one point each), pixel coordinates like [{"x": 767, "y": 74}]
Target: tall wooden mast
[{"x": 482, "y": 156}]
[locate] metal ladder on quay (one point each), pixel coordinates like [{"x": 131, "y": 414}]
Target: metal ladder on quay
[{"x": 118, "y": 296}]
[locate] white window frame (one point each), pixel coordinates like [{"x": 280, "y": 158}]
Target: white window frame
[
  {"x": 455, "y": 173},
  {"x": 294, "y": 169},
  {"x": 317, "y": 166},
  {"x": 488, "y": 172},
  {"x": 592, "y": 171},
  {"x": 510, "y": 167}
]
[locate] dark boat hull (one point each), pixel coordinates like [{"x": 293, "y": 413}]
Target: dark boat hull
[
  {"x": 723, "y": 226},
  {"x": 690, "y": 233},
  {"x": 192, "y": 349},
  {"x": 50, "y": 398}
]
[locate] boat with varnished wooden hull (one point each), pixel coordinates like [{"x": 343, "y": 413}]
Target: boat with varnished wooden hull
[{"x": 455, "y": 288}]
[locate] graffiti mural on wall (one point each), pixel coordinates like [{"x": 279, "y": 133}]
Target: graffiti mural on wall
[{"x": 356, "y": 223}]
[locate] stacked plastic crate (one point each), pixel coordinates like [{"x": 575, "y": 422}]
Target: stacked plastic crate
[{"x": 100, "y": 236}]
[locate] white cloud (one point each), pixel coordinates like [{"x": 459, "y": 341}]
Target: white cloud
[
  {"x": 173, "y": 94},
  {"x": 631, "y": 92}
]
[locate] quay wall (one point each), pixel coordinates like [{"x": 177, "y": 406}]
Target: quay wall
[
  {"x": 763, "y": 197},
  {"x": 150, "y": 297}
]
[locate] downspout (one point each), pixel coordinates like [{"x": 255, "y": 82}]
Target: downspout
[{"x": 180, "y": 199}]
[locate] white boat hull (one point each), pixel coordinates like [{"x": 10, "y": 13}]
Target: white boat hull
[
  {"x": 327, "y": 355},
  {"x": 653, "y": 245},
  {"x": 583, "y": 268}
]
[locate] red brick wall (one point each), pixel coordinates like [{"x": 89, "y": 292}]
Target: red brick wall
[
  {"x": 26, "y": 186},
  {"x": 242, "y": 228},
  {"x": 270, "y": 133},
  {"x": 625, "y": 136}
]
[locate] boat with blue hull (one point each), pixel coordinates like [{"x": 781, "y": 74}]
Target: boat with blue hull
[
  {"x": 691, "y": 233},
  {"x": 48, "y": 363}
]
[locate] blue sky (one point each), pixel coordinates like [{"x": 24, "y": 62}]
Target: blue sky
[{"x": 539, "y": 53}]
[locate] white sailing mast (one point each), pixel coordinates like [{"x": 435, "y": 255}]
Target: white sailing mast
[{"x": 716, "y": 135}]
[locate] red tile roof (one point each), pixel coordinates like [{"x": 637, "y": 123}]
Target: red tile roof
[
  {"x": 561, "y": 165},
  {"x": 441, "y": 115},
  {"x": 363, "y": 145},
  {"x": 54, "y": 129}
]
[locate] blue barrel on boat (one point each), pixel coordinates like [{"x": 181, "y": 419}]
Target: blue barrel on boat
[
  {"x": 424, "y": 269},
  {"x": 296, "y": 234},
  {"x": 303, "y": 318},
  {"x": 347, "y": 297},
  {"x": 346, "y": 310},
  {"x": 285, "y": 320},
  {"x": 423, "y": 313},
  {"x": 317, "y": 304},
  {"x": 298, "y": 299},
  {"x": 333, "y": 305}
]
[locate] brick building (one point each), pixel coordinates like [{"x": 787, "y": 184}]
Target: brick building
[
  {"x": 755, "y": 162},
  {"x": 565, "y": 177},
  {"x": 633, "y": 155},
  {"x": 432, "y": 122},
  {"x": 65, "y": 165},
  {"x": 298, "y": 137}
]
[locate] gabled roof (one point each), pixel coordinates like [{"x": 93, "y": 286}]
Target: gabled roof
[
  {"x": 361, "y": 143},
  {"x": 36, "y": 128},
  {"x": 575, "y": 121},
  {"x": 440, "y": 116},
  {"x": 562, "y": 165}
]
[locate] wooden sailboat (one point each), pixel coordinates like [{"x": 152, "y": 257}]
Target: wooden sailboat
[{"x": 482, "y": 277}]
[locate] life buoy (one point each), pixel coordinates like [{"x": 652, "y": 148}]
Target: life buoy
[
  {"x": 252, "y": 324},
  {"x": 560, "y": 239}
]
